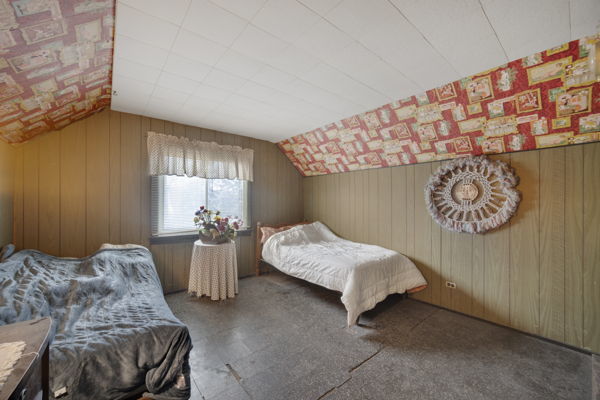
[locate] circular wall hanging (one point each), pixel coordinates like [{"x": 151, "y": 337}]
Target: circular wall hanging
[{"x": 473, "y": 194}]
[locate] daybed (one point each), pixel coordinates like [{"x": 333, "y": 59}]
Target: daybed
[
  {"x": 365, "y": 274},
  {"x": 114, "y": 335}
]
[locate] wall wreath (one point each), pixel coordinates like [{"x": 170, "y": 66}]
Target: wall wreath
[{"x": 473, "y": 194}]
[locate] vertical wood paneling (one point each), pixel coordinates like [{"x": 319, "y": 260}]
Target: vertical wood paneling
[
  {"x": 130, "y": 178},
  {"x": 436, "y": 253},
  {"x": 31, "y": 194},
  {"x": 539, "y": 273},
  {"x": 591, "y": 247},
  {"x": 552, "y": 243},
  {"x": 422, "y": 228},
  {"x": 114, "y": 186},
  {"x": 497, "y": 271},
  {"x": 524, "y": 247},
  {"x": 49, "y": 194},
  {"x": 72, "y": 190},
  {"x": 384, "y": 207},
  {"x": 574, "y": 245},
  {"x": 399, "y": 217},
  {"x": 410, "y": 211},
  {"x": 18, "y": 200},
  {"x": 97, "y": 180},
  {"x": 7, "y": 192}
]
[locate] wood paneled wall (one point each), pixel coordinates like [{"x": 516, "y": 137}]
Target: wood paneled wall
[
  {"x": 88, "y": 184},
  {"x": 540, "y": 273},
  {"x": 7, "y": 161}
]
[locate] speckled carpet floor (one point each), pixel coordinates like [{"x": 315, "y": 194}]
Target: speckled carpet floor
[{"x": 283, "y": 339}]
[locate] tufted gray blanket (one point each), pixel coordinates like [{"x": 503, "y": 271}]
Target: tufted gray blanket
[{"x": 113, "y": 333}]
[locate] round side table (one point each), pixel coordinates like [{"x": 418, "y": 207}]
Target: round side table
[{"x": 213, "y": 271}]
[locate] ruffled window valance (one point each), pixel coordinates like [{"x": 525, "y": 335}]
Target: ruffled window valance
[{"x": 172, "y": 155}]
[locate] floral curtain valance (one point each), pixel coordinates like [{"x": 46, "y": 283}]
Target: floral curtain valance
[{"x": 172, "y": 155}]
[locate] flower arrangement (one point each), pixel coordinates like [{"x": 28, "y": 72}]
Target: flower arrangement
[{"x": 213, "y": 228}]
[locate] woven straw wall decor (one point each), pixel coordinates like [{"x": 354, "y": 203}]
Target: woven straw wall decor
[{"x": 472, "y": 195}]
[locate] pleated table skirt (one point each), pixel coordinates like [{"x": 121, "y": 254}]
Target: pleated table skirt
[{"x": 213, "y": 271}]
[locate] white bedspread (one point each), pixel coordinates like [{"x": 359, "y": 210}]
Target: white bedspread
[{"x": 365, "y": 274}]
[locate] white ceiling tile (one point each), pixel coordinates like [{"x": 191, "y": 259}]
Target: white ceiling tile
[
  {"x": 159, "y": 108},
  {"x": 172, "y": 10},
  {"x": 126, "y": 104},
  {"x": 412, "y": 55},
  {"x": 323, "y": 40},
  {"x": 209, "y": 92},
  {"x": 169, "y": 96},
  {"x": 134, "y": 70},
  {"x": 319, "y": 96},
  {"x": 274, "y": 78},
  {"x": 134, "y": 50},
  {"x": 355, "y": 17},
  {"x": 201, "y": 103},
  {"x": 274, "y": 69},
  {"x": 245, "y": 9},
  {"x": 458, "y": 30},
  {"x": 186, "y": 68},
  {"x": 286, "y": 19},
  {"x": 195, "y": 47},
  {"x": 337, "y": 82},
  {"x": 239, "y": 64},
  {"x": 177, "y": 82},
  {"x": 585, "y": 18},
  {"x": 144, "y": 27},
  {"x": 259, "y": 44},
  {"x": 294, "y": 60},
  {"x": 124, "y": 85},
  {"x": 213, "y": 22},
  {"x": 223, "y": 80},
  {"x": 321, "y": 7},
  {"x": 519, "y": 24},
  {"x": 365, "y": 67}
]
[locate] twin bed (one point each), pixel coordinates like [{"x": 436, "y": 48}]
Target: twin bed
[
  {"x": 364, "y": 274},
  {"x": 113, "y": 334}
]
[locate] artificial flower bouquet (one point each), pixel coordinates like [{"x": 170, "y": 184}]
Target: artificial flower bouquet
[{"x": 213, "y": 228}]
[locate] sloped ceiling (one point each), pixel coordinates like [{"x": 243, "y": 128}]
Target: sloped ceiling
[
  {"x": 273, "y": 69},
  {"x": 55, "y": 63}
]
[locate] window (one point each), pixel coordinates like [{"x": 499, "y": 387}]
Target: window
[{"x": 176, "y": 198}]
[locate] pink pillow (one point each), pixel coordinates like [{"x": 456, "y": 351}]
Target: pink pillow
[{"x": 267, "y": 232}]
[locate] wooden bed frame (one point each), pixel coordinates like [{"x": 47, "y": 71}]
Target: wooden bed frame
[{"x": 259, "y": 246}]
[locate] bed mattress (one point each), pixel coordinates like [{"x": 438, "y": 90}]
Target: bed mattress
[
  {"x": 113, "y": 332},
  {"x": 365, "y": 274}
]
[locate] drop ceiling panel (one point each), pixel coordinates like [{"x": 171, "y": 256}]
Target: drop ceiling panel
[
  {"x": 186, "y": 68},
  {"x": 525, "y": 27},
  {"x": 285, "y": 19},
  {"x": 146, "y": 28},
  {"x": 197, "y": 48},
  {"x": 239, "y": 64},
  {"x": 458, "y": 30},
  {"x": 134, "y": 50},
  {"x": 172, "y": 11},
  {"x": 585, "y": 18},
  {"x": 213, "y": 22},
  {"x": 245, "y": 9},
  {"x": 287, "y": 66}
]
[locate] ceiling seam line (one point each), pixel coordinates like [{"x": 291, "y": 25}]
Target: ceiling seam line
[
  {"x": 487, "y": 18},
  {"x": 425, "y": 38}
]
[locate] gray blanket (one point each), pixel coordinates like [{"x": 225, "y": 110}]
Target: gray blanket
[{"x": 113, "y": 333}]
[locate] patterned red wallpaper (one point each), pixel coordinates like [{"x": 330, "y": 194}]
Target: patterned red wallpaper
[
  {"x": 55, "y": 63},
  {"x": 547, "y": 99}
]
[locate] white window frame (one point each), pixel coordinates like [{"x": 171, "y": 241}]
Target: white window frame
[{"x": 157, "y": 202}]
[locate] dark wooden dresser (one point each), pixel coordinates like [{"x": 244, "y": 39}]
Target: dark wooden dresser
[{"x": 29, "y": 378}]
